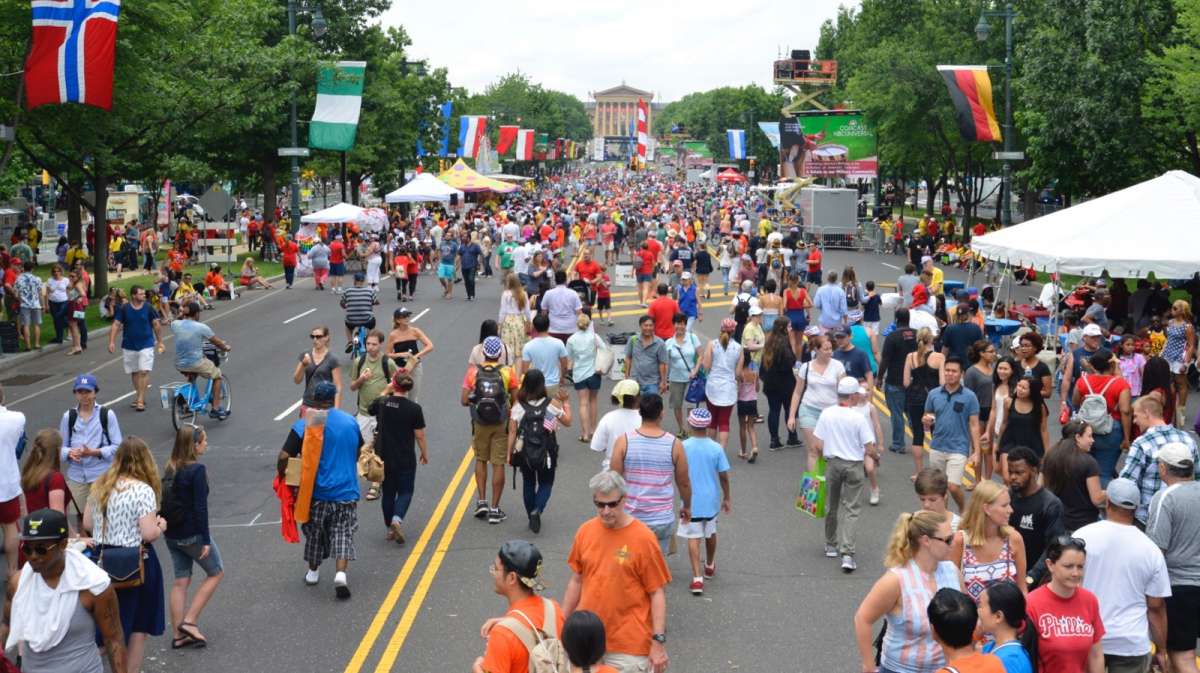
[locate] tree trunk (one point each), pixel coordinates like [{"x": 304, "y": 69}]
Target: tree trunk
[
  {"x": 355, "y": 188},
  {"x": 1193, "y": 151},
  {"x": 74, "y": 218},
  {"x": 269, "y": 188},
  {"x": 100, "y": 216}
]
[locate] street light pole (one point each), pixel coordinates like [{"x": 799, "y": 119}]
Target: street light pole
[
  {"x": 982, "y": 30},
  {"x": 295, "y": 186}
]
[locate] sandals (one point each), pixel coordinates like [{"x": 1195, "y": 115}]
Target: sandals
[
  {"x": 753, "y": 457},
  {"x": 372, "y": 493},
  {"x": 192, "y": 633},
  {"x": 180, "y": 642}
]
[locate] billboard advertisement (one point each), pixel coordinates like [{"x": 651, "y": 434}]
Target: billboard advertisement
[
  {"x": 619, "y": 148},
  {"x": 833, "y": 144}
]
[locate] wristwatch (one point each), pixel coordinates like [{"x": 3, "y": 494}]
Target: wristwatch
[{"x": 660, "y": 638}]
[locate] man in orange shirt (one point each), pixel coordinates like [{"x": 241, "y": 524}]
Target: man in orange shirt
[
  {"x": 663, "y": 310},
  {"x": 619, "y": 573},
  {"x": 515, "y": 574}
]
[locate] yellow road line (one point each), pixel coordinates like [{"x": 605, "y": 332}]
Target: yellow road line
[
  {"x": 389, "y": 602},
  {"x": 642, "y": 311},
  {"x": 414, "y": 604}
]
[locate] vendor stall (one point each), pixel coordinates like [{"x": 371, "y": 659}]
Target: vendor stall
[
  {"x": 424, "y": 188},
  {"x": 462, "y": 177}
]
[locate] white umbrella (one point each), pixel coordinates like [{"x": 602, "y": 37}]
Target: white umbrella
[{"x": 336, "y": 214}]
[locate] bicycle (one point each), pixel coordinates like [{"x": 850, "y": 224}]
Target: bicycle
[
  {"x": 185, "y": 400},
  {"x": 358, "y": 343}
]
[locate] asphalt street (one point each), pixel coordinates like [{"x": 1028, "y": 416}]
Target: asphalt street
[{"x": 776, "y": 604}]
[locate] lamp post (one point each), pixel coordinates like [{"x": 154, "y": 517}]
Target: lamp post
[
  {"x": 319, "y": 27},
  {"x": 982, "y": 31}
]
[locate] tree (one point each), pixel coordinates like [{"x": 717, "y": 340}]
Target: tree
[
  {"x": 515, "y": 100},
  {"x": 709, "y": 114},
  {"x": 1171, "y": 100}
]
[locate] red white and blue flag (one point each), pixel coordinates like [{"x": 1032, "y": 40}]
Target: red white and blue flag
[
  {"x": 471, "y": 128},
  {"x": 73, "y": 51}
]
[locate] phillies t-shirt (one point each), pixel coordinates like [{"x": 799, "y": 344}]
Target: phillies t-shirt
[{"x": 1066, "y": 628}]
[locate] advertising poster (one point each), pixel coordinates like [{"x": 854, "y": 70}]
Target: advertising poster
[{"x": 833, "y": 144}]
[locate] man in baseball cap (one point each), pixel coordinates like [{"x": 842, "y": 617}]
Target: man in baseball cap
[
  {"x": 708, "y": 470},
  {"x": 90, "y": 435},
  {"x": 845, "y": 437},
  {"x": 626, "y": 395},
  {"x": 516, "y": 575}
]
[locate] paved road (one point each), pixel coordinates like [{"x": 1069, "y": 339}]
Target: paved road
[{"x": 776, "y": 603}]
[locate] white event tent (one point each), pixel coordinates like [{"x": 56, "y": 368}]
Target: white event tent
[
  {"x": 1150, "y": 227},
  {"x": 336, "y": 214},
  {"x": 424, "y": 187}
]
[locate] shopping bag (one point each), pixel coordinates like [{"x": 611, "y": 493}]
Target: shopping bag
[
  {"x": 813, "y": 495},
  {"x": 695, "y": 389}
]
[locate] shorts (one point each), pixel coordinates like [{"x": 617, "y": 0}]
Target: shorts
[
  {"x": 590, "y": 383},
  {"x": 186, "y": 551},
  {"x": 610, "y": 246},
  {"x": 10, "y": 510},
  {"x": 445, "y": 271},
  {"x": 604, "y": 303},
  {"x": 663, "y": 532},
  {"x": 678, "y": 390},
  {"x": 645, "y": 278},
  {"x": 720, "y": 416},
  {"x": 798, "y": 319},
  {"x": 627, "y": 663},
  {"x": 873, "y": 328},
  {"x": 337, "y": 269},
  {"x": 747, "y": 408},
  {"x": 329, "y": 531},
  {"x": 806, "y": 417},
  {"x": 138, "y": 361},
  {"x": 80, "y": 491},
  {"x": 1183, "y": 618},
  {"x": 30, "y": 316},
  {"x": 490, "y": 443},
  {"x": 697, "y": 529},
  {"x": 814, "y": 277},
  {"x": 953, "y": 464},
  {"x": 205, "y": 368},
  {"x": 370, "y": 324}
]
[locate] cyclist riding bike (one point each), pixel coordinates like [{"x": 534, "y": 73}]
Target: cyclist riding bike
[
  {"x": 359, "y": 303},
  {"x": 190, "y": 335}
]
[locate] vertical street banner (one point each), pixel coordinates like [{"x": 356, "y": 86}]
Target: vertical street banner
[
  {"x": 508, "y": 135},
  {"x": 643, "y": 121},
  {"x": 736, "y": 139},
  {"x": 971, "y": 92},
  {"x": 827, "y": 144},
  {"x": 771, "y": 131},
  {"x": 72, "y": 53},
  {"x": 447, "y": 109},
  {"x": 524, "y": 151},
  {"x": 339, "y": 101},
  {"x": 470, "y": 129},
  {"x": 541, "y": 146}
]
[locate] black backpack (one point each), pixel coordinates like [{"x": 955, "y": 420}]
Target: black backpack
[
  {"x": 172, "y": 508},
  {"x": 852, "y": 297},
  {"x": 741, "y": 311},
  {"x": 536, "y": 440},
  {"x": 73, "y": 415},
  {"x": 490, "y": 405}
]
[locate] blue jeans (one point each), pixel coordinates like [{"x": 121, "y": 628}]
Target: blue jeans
[
  {"x": 1106, "y": 451},
  {"x": 536, "y": 485},
  {"x": 397, "y": 494},
  {"x": 289, "y": 275},
  {"x": 58, "y": 311},
  {"x": 894, "y": 395}
]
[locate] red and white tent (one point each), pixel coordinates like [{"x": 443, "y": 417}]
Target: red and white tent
[{"x": 730, "y": 176}]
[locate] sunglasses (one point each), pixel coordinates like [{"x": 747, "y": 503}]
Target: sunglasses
[
  {"x": 317, "y": 336},
  {"x": 37, "y": 549},
  {"x": 1072, "y": 542},
  {"x": 613, "y": 504},
  {"x": 949, "y": 539}
]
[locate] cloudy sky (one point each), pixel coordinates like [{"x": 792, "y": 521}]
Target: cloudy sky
[{"x": 668, "y": 47}]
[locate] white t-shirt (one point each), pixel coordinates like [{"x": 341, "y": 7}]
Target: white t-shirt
[
  {"x": 612, "y": 425},
  {"x": 1047, "y": 297},
  {"x": 520, "y": 257},
  {"x": 820, "y": 390},
  {"x": 12, "y": 426},
  {"x": 746, "y": 297},
  {"x": 1123, "y": 568},
  {"x": 844, "y": 433},
  {"x": 919, "y": 319}
]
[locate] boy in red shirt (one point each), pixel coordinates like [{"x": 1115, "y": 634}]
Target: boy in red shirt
[{"x": 602, "y": 285}]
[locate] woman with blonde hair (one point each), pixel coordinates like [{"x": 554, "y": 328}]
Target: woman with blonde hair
[
  {"x": 917, "y": 567},
  {"x": 187, "y": 533},
  {"x": 1180, "y": 351},
  {"x": 986, "y": 549},
  {"x": 922, "y": 373},
  {"x": 122, "y": 513},
  {"x": 514, "y": 315},
  {"x": 582, "y": 347}
]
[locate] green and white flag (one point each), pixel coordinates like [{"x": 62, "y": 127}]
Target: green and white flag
[{"x": 339, "y": 100}]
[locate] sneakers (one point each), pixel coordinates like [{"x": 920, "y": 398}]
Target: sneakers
[
  {"x": 697, "y": 586},
  {"x": 535, "y": 522},
  {"x": 775, "y": 445},
  {"x": 219, "y": 415},
  {"x": 343, "y": 590},
  {"x": 831, "y": 551},
  {"x": 496, "y": 515},
  {"x": 312, "y": 577},
  {"x": 794, "y": 440},
  {"x": 481, "y": 509},
  {"x": 710, "y": 570},
  {"x": 394, "y": 532},
  {"x": 874, "y": 500},
  {"x": 848, "y": 564}
]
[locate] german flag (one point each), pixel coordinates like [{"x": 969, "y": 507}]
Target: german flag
[{"x": 971, "y": 91}]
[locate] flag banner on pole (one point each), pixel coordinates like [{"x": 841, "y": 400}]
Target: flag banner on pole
[
  {"x": 558, "y": 148},
  {"x": 339, "y": 101},
  {"x": 470, "y": 129},
  {"x": 444, "y": 147},
  {"x": 73, "y": 52},
  {"x": 541, "y": 146},
  {"x": 508, "y": 135},
  {"x": 524, "y": 151},
  {"x": 643, "y": 119},
  {"x": 771, "y": 131},
  {"x": 736, "y": 138},
  {"x": 971, "y": 92}
]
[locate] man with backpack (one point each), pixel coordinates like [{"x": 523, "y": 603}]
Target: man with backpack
[
  {"x": 487, "y": 390},
  {"x": 526, "y": 638},
  {"x": 90, "y": 435},
  {"x": 742, "y": 303},
  {"x": 370, "y": 375}
]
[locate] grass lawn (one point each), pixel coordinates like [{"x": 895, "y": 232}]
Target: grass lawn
[{"x": 95, "y": 322}]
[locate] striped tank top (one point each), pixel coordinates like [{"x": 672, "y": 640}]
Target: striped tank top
[
  {"x": 649, "y": 475},
  {"x": 908, "y": 645}
]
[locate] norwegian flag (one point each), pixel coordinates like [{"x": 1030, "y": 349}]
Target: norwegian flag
[{"x": 73, "y": 51}]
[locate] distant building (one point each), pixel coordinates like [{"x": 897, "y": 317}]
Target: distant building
[{"x": 614, "y": 111}]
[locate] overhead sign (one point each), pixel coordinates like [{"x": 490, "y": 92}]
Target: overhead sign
[
  {"x": 1008, "y": 156},
  {"x": 294, "y": 151}
]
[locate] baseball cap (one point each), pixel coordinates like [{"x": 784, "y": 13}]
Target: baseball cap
[
  {"x": 812, "y": 330},
  {"x": 44, "y": 524},
  {"x": 492, "y": 347},
  {"x": 926, "y": 258},
  {"x": 848, "y": 385},
  {"x": 324, "y": 392},
  {"x": 1175, "y": 454},
  {"x": 401, "y": 312},
  {"x": 1092, "y": 330},
  {"x": 360, "y": 277},
  {"x": 626, "y": 388},
  {"x": 1124, "y": 493},
  {"x": 841, "y": 332},
  {"x": 755, "y": 310},
  {"x": 687, "y": 275},
  {"x": 86, "y": 382},
  {"x": 699, "y": 418},
  {"x": 525, "y": 560}
]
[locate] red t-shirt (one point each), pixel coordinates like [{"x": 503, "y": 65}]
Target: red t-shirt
[
  {"x": 39, "y": 498},
  {"x": 648, "y": 259},
  {"x": 979, "y": 229},
  {"x": 1111, "y": 396},
  {"x": 607, "y": 231},
  {"x": 814, "y": 261},
  {"x": 655, "y": 246},
  {"x": 663, "y": 311},
  {"x": 337, "y": 252},
  {"x": 290, "y": 251},
  {"x": 545, "y": 232},
  {"x": 602, "y": 288},
  {"x": 1067, "y": 628},
  {"x": 588, "y": 269},
  {"x": 932, "y": 228}
]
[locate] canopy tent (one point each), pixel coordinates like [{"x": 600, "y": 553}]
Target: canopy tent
[
  {"x": 336, "y": 214},
  {"x": 462, "y": 177},
  {"x": 508, "y": 178},
  {"x": 424, "y": 187},
  {"x": 731, "y": 176},
  {"x": 1151, "y": 227}
]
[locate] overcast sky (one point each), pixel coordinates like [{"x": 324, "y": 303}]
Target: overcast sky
[{"x": 668, "y": 47}]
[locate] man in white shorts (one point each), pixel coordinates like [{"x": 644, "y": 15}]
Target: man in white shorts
[
  {"x": 707, "y": 467},
  {"x": 952, "y": 411},
  {"x": 140, "y": 339}
]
